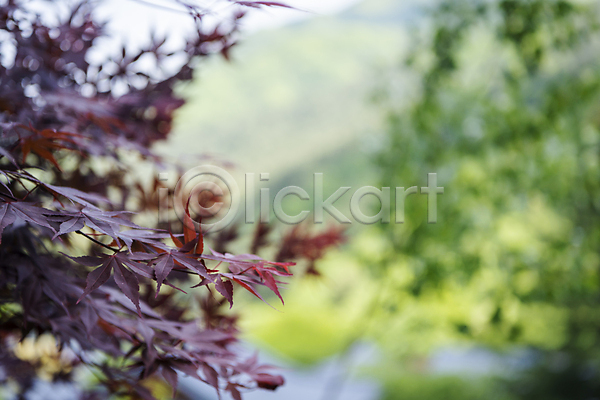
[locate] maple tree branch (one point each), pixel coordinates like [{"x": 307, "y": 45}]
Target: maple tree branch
[
  {"x": 8, "y": 196},
  {"x": 97, "y": 241},
  {"x": 185, "y": 271}
]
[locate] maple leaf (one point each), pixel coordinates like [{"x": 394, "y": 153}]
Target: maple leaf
[
  {"x": 171, "y": 377},
  {"x": 126, "y": 280},
  {"x": 225, "y": 288},
  {"x": 270, "y": 282},
  {"x": 211, "y": 376},
  {"x": 97, "y": 277},
  {"x": 258, "y": 4},
  {"x": 44, "y": 142},
  {"x": 70, "y": 225},
  {"x": 270, "y": 382},
  {"x": 248, "y": 287},
  {"x": 192, "y": 232},
  {"x": 260, "y": 373},
  {"x": 129, "y": 284},
  {"x": 141, "y": 235},
  {"x": 162, "y": 269},
  {"x": 11, "y": 212},
  {"x": 235, "y": 393},
  {"x": 139, "y": 268},
  {"x": 75, "y": 195},
  {"x": 7, "y": 217}
]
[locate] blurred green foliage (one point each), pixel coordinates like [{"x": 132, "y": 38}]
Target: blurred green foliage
[
  {"x": 507, "y": 115},
  {"x": 322, "y": 316},
  {"x": 417, "y": 387}
]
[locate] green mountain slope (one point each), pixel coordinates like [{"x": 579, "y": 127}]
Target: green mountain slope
[{"x": 293, "y": 97}]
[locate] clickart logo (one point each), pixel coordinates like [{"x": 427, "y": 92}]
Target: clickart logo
[{"x": 225, "y": 202}]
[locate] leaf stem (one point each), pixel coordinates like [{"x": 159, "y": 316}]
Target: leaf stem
[{"x": 97, "y": 241}]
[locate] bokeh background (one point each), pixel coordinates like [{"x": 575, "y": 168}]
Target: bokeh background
[{"x": 499, "y": 299}]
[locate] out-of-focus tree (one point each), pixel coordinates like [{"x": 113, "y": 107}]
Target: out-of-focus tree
[{"x": 504, "y": 108}]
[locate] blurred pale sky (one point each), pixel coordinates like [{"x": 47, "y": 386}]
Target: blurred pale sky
[
  {"x": 134, "y": 19},
  {"x": 131, "y": 21}
]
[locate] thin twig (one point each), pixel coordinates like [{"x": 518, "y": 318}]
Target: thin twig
[
  {"x": 97, "y": 241},
  {"x": 8, "y": 196}
]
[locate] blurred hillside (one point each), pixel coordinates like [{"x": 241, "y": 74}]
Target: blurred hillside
[{"x": 294, "y": 100}]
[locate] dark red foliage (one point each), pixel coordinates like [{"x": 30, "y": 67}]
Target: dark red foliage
[
  {"x": 60, "y": 119},
  {"x": 300, "y": 243}
]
